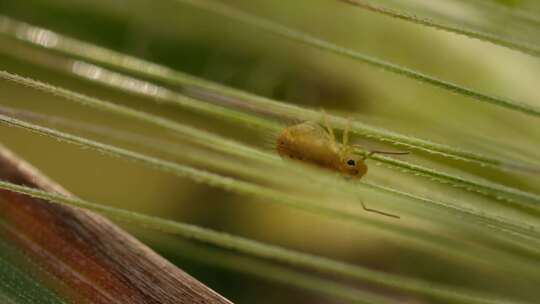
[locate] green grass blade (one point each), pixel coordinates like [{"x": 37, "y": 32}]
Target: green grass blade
[
  {"x": 312, "y": 41},
  {"x": 272, "y": 272},
  {"x": 493, "y": 190},
  {"x": 483, "y": 36},
  {"x": 444, "y": 246},
  {"x": 207, "y": 139},
  {"x": 519, "y": 233},
  {"x": 247, "y": 246},
  {"x": 515, "y": 12},
  {"x": 17, "y": 285},
  {"x": 466, "y": 196},
  {"x": 503, "y": 226},
  {"x": 196, "y": 86}
]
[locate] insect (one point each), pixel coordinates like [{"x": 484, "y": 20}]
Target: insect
[{"x": 310, "y": 142}]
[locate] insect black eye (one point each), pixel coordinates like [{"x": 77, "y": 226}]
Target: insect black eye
[{"x": 350, "y": 162}]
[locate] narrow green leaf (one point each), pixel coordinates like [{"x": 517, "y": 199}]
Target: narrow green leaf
[
  {"x": 475, "y": 34},
  {"x": 321, "y": 264},
  {"x": 520, "y": 234},
  {"x": 199, "y": 88},
  {"x": 16, "y": 284},
  {"x": 493, "y": 190},
  {"x": 298, "y": 36},
  {"x": 247, "y": 188}
]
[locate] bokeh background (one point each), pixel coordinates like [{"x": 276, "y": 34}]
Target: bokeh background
[{"x": 220, "y": 49}]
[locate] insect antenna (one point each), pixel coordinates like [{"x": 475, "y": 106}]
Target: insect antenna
[
  {"x": 372, "y": 152},
  {"x": 388, "y": 152},
  {"x": 378, "y": 212}
]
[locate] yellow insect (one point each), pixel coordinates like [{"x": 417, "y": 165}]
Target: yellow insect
[{"x": 310, "y": 142}]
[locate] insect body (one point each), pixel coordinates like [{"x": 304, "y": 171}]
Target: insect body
[{"x": 309, "y": 142}]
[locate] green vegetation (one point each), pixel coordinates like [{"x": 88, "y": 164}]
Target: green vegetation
[{"x": 185, "y": 96}]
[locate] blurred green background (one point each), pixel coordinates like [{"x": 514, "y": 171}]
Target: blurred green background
[{"x": 228, "y": 52}]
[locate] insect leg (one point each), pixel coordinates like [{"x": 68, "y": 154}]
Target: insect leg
[
  {"x": 328, "y": 127},
  {"x": 346, "y": 132},
  {"x": 377, "y": 211}
]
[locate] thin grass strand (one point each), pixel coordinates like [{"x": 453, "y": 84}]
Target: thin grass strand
[{"x": 325, "y": 265}]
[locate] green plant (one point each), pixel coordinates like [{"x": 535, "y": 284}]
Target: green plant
[{"x": 467, "y": 194}]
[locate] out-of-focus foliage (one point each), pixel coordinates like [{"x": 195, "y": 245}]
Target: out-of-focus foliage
[{"x": 469, "y": 226}]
